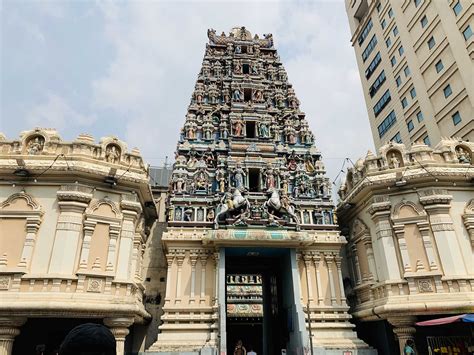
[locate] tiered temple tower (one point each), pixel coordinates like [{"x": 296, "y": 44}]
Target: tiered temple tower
[{"x": 252, "y": 244}]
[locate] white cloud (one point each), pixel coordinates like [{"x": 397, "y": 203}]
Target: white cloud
[{"x": 55, "y": 112}]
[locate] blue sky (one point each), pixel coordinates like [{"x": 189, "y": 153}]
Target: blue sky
[{"x": 128, "y": 68}]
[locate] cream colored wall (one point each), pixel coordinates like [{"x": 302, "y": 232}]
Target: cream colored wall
[{"x": 12, "y": 238}]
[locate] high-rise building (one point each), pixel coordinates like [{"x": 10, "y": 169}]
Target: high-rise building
[
  {"x": 252, "y": 246},
  {"x": 415, "y": 62}
]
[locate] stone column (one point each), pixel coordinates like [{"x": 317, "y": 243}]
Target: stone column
[
  {"x": 307, "y": 262},
  {"x": 380, "y": 211},
  {"x": 193, "y": 256},
  {"x": 329, "y": 258},
  {"x": 126, "y": 244},
  {"x": 316, "y": 261},
  {"x": 119, "y": 328},
  {"x": 203, "y": 260},
  {"x": 169, "y": 259},
  {"x": 180, "y": 254},
  {"x": 403, "y": 329},
  {"x": 32, "y": 227},
  {"x": 437, "y": 204},
  {"x": 9, "y": 329},
  {"x": 72, "y": 202},
  {"x": 338, "y": 261},
  {"x": 402, "y": 244},
  {"x": 356, "y": 264},
  {"x": 370, "y": 259}
]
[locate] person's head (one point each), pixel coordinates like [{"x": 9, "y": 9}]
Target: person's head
[
  {"x": 89, "y": 339},
  {"x": 239, "y": 342}
]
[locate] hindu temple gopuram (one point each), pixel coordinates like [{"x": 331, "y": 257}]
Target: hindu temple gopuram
[{"x": 252, "y": 245}]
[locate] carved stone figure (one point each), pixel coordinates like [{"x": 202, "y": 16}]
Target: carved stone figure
[
  {"x": 394, "y": 162},
  {"x": 237, "y": 95},
  {"x": 270, "y": 180},
  {"x": 263, "y": 130},
  {"x": 463, "y": 156},
  {"x": 112, "y": 154},
  {"x": 280, "y": 204},
  {"x": 217, "y": 67},
  {"x": 239, "y": 175},
  {"x": 35, "y": 145},
  {"x": 232, "y": 203},
  {"x": 221, "y": 180},
  {"x": 238, "y": 67},
  {"x": 223, "y": 130},
  {"x": 258, "y": 96},
  {"x": 213, "y": 94},
  {"x": 238, "y": 127},
  {"x": 199, "y": 93},
  {"x": 180, "y": 185}
]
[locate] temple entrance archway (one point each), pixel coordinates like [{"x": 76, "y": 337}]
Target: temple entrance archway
[{"x": 258, "y": 304}]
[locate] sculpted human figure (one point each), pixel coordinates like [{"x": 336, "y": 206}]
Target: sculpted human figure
[
  {"x": 35, "y": 146},
  {"x": 394, "y": 162},
  {"x": 180, "y": 184},
  {"x": 463, "y": 156},
  {"x": 238, "y": 126},
  {"x": 224, "y": 129},
  {"x": 263, "y": 130},
  {"x": 239, "y": 175},
  {"x": 270, "y": 178},
  {"x": 237, "y": 95},
  {"x": 237, "y": 67},
  {"x": 112, "y": 155},
  {"x": 258, "y": 96}
]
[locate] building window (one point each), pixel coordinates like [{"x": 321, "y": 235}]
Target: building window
[
  {"x": 379, "y": 7},
  {"x": 395, "y": 31},
  {"x": 424, "y": 21},
  {"x": 370, "y": 47},
  {"x": 406, "y": 71},
  {"x": 247, "y": 95},
  {"x": 383, "y": 24},
  {"x": 254, "y": 178},
  {"x": 373, "y": 65},
  {"x": 413, "y": 93},
  {"x": 457, "y": 8},
  {"x": 401, "y": 50},
  {"x": 426, "y": 140},
  {"x": 404, "y": 102},
  {"x": 390, "y": 13},
  {"x": 365, "y": 32},
  {"x": 393, "y": 61},
  {"x": 388, "y": 122},
  {"x": 410, "y": 126},
  {"x": 456, "y": 118},
  {"x": 250, "y": 129},
  {"x": 467, "y": 33},
  {"x": 380, "y": 105},
  {"x": 447, "y": 91},
  {"x": 397, "y": 138},
  {"x": 439, "y": 66},
  {"x": 431, "y": 42},
  {"x": 419, "y": 116},
  {"x": 377, "y": 84},
  {"x": 398, "y": 80},
  {"x": 417, "y": 3},
  {"x": 388, "y": 42}
]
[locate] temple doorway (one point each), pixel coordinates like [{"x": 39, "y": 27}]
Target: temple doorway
[{"x": 257, "y": 307}]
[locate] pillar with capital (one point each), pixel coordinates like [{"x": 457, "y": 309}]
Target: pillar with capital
[
  {"x": 403, "y": 327},
  {"x": 9, "y": 329},
  {"x": 119, "y": 328}
]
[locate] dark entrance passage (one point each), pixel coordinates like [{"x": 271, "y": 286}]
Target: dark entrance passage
[{"x": 256, "y": 312}]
